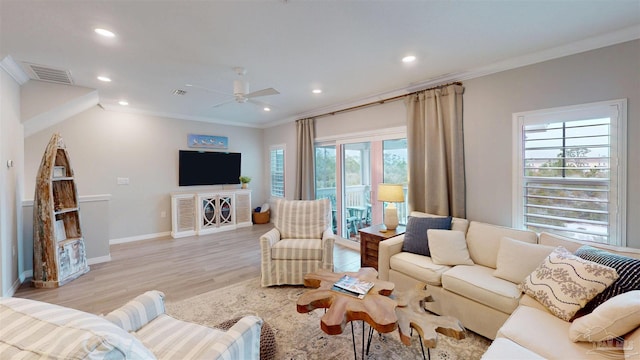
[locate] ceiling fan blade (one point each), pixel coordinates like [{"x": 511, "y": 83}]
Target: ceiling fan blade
[
  {"x": 260, "y": 103},
  {"x": 223, "y": 103},
  {"x": 263, "y": 92}
]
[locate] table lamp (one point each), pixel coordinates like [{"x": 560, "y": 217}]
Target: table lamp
[{"x": 391, "y": 193}]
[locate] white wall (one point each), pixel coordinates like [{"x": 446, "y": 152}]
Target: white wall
[
  {"x": 489, "y": 101},
  {"x": 603, "y": 74},
  {"x": 11, "y": 148},
  {"x": 104, "y": 145}
]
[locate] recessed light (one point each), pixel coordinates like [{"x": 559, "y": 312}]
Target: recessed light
[
  {"x": 104, "y": 32},
  {"x": 123, "y": 102},
  {"x": 104, "y": 78},
  {"x": 267, "y": 108},
  {"x": 408, "y": 59},
  {"x": 317, "y": 91}
]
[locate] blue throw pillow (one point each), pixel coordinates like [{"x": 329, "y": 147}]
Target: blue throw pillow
[
  {"x": 628, "y": 270},
  {"x": 415, "y": 236}
]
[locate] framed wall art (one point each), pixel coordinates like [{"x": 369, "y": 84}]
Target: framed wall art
[{"x": 207, "y": 141}]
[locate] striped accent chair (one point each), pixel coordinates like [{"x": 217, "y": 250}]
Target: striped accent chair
[
  {"x": 301, "y": 241},
  {"x": 140, "y": 330},
  {"x": 170, "y": 338}
]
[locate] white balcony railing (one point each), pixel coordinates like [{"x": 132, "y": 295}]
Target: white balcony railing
[{"x": 360, "y": 196}]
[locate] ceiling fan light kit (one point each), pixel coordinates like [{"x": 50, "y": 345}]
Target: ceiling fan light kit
[{"x": 241, "y": 92}]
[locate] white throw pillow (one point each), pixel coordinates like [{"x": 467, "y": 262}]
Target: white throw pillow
[
  {"x": 615, "y": 317},
  {"x": 564, "y": 283},
  {"x": 517, "y": 259},
  {"x": 448, "y": 247}
]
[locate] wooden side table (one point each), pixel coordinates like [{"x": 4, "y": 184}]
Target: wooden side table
[{"x": 370, "y": 237}]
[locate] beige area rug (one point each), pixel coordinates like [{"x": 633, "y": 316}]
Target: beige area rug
[{"x": 299, "y": 336}]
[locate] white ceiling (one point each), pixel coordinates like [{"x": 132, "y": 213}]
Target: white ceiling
[{"x": 350, "y": 49}]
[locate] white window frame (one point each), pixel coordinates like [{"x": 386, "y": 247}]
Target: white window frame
[
  {"x": 284, "y": 172},
  {"x": 617, "y": 110}
]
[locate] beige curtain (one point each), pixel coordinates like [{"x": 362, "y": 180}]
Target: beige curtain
[
  {"x": 305, "y": 175},
  {"x": 436, "y": 151}
]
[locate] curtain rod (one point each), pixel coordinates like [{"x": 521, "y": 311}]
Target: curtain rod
[{"x": 383, "y": 101}]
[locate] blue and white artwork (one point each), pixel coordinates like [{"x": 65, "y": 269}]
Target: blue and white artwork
[{"x": 207, "y": 141}]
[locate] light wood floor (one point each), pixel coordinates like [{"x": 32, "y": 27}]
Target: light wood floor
[{"x": 181, "y": 268}]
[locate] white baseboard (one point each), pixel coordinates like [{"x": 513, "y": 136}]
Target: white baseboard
[
  {"x": 14, "y": 287},
  {"x": 26, "y": 274},
  {"x": 138, "y": 238},
  {"x": 99, "y": 259}
]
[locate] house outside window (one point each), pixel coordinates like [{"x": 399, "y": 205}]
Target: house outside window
[
  {"x": 571, "y": 171},
  {"x": 277, "y": 170}
]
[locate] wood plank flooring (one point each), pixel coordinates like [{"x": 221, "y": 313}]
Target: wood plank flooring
[{"x": 181, "y": 268}]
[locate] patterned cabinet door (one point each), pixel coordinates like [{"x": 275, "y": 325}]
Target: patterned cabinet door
[
  {"x": 225, "y": 207},
  {"x": 209, "y": 209}
]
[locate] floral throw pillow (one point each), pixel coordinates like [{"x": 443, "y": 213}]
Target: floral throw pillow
[{"x": 564, "y": 283}]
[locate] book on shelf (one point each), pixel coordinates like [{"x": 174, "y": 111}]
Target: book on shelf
[{"x": 352, "y": 286}]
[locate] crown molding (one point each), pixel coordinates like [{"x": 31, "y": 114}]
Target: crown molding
[
  {"x": 14, "y": 69},
  {"x": 613, "y": 38},
  {"x": 133, "y": 110}
]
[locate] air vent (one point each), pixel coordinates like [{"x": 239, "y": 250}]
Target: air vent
[
  {"x": 179, "y": 92},
  {"x": 47, "y": 73}
]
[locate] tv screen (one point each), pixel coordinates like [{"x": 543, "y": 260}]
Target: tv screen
[{"x": 208, "y": 168}]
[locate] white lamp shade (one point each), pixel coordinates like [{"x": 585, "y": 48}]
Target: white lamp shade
[{"x": 390, "y": 193}]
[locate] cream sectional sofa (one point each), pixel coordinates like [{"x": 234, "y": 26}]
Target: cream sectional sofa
[
  {"x": 489, "y": 305},
  {"x": 138, "y": 330}
]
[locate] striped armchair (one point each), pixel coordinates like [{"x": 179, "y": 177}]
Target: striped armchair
[
  {"x": 301, "y": 241},
  {"x": 170, "y": 338}
]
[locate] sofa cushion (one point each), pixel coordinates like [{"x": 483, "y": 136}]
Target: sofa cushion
[
  {"x": 505, "y": 349},
  {"x": 547, "y": 336},
  {"x": 297, "y": 249},
  {"x": 478, "y": 283},
  {"x": 615, "y": 317},
  {"x": 139, "y": 311},
  {"x": 448, "y": 247},
  {"x": 483, "y": 241},
  {"x": 416, "y": 239},
  {"x": 171, "y": 338},
  {"x": 517, "y": 259},
  {"x": 302, "y": 219},
  {"x": 564, "y": 283},
  {"x": 628, "y": 270},
  {"x": 418, "y": 267},
  {"x": 457, "y": 224}
]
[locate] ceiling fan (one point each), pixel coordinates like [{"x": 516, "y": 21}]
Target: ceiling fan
[{"x": 241, "y": 92}]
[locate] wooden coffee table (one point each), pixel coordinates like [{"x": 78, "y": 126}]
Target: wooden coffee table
[
  {"x": 412, "y": 315},
  {"x": 382, "y": 311},
  {"x": 376, "y": 308}
]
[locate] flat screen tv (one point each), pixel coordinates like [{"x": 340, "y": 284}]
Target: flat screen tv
[{"x": 208, "y": 168}]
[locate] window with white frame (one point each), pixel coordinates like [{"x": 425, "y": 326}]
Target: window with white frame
[
  {"x": 571, "y": 173},
  {"x": 277, "y": 170}
]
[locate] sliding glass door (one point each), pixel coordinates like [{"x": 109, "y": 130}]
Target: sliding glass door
[
  {"x": 396, "y": 170},
  {"x": 326, "y": 184},
  {"x": 348, "y": 173},
  {"x": 356, "y": 191}
]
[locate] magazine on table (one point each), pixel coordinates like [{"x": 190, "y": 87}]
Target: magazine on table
[{"x": 352, "y": 286}]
